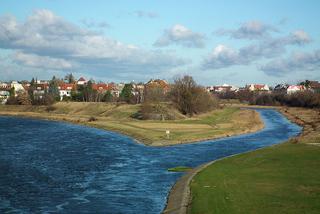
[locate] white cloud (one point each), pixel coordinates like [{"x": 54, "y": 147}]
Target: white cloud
[
  {"x": 47, "y": 40},
  {"x": 221, "y": 56},
  {"x": 263, "y": 49},
  {"x": 299, "y": 37},
  {"x": 180, "y": 35},
  {"x": 33, "y": 60},
  {"x": 299, "y": 61},
  {"x": 249, "y": 30}
]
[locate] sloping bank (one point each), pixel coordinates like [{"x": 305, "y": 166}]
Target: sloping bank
[
  {"x": 118, "y": 118},
  {"x": 254, "y": 169}
]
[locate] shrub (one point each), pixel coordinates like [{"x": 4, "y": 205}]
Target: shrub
[
  {"x": 190, "y": 98},
  {"x": 91, "y": 119}
]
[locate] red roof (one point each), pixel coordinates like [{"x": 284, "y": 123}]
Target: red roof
[
  {"x": 82, "y": 79},
  {"x": 42, "y": 86},
  {"x": 5, "y": 88},
  {"x": 299, "y": 87},
  {"x": 259, "y": 86},
  {"x": 66, "y": 86},
  {"x": 158, "y": 82},
  {"x": 100, "y": 87}
]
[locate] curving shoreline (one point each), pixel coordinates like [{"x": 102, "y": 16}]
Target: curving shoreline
[
  {"x": 84, "y": 120},
  {"x": 192, "y": 154},
  {"x": 179, "y": 198}
]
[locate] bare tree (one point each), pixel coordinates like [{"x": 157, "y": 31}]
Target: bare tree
[{"x": 190, "y": 98}]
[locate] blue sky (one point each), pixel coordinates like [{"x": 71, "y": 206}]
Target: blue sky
[{"x": 235, "y": 42}]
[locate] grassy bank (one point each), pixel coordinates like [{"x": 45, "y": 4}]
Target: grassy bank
[
  {"x": 279, "y": 179},
  {"x": 215, "y": 124}
]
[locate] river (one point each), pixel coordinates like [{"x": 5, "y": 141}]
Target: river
[{"x": 56, "y": 167}]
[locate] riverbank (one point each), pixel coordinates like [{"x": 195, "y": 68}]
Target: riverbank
[
  {"x": 216, "y": 124},
  {"x": 281, "y": 178}
]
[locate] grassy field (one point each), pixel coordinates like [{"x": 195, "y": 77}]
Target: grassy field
[
  {"x": 215, "y": 124},
  {"x": 279, "y": 179}
]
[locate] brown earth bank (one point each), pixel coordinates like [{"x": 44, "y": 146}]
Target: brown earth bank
[
  {"x": 219, "y": 123},
  {"x": 179, "y": 198}
]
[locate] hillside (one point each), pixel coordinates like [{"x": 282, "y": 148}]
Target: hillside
[{"x": 119, "y": 118}]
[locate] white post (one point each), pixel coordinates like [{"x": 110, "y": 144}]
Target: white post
[{"x": 168, "y": 134}]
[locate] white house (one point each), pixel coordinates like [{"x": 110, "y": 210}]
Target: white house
[
  {"x": 257, "y": 87},
  {"x": 82, "y": 81},
  {"x": 65, "y": 90},
  {"x": 40, "y": 90},
  {"x": 295, "y": 88},
  {"x": 4, "y": 94},
  {"x": 222, "y": 88},
  {"x": 17, "y": 87}
]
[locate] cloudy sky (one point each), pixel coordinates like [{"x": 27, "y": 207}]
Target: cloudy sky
[{"x": 235, "y": 42}]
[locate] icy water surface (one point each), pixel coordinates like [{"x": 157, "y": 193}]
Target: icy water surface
[{"x": 55, "y": 167}]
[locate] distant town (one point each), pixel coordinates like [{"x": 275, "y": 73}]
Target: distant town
[{"x": 69, "y": 88}]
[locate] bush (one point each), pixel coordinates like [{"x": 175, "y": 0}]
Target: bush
[
  {"x": 155, "y": 111},
  {"x": 190, "y": 98},
  {"x": 46, "y": 99},
  {"x": 21, "y": 99},
  {"x": 91, "y": 119},
  {"x": 305, "y": 99},
  {"x": 12, "y": 101}
]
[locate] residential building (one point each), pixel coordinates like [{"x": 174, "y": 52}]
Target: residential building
[
  {"x": 258, "y": 87},
  {"x": 116, "y": 89},
  {"x": 281, "y": 88},
  {"x": 4, "y": 93},
  {"x": 314, "y": 86},
  {"x": 40, "y": 90},
  {"x": 65, "y": 90},
  {"x": 295, "y": 88},
  {"x": 222, "y": 88},
  {"x": 18, "y": 88},
  {"x": 158, "y": 83},
  {"x": 82, "y": 81}
]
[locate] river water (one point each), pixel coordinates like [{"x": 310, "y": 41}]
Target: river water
[{"x": 56, "y": 167}]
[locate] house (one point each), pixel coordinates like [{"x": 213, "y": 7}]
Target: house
[
  {"x": 295, "y": 88},
  {"x": 138, "y": 91},
  {"x": 222, "y": 88},
  {"x": 82, "y": 81},
  {"x": 65, "y": 90},
  {"x": 3, "y": 84},
  {"x": 116, "y": 89},
  {"x": 258, "y": 87},
  {"x": 158, "y": 83},
  {"x": 281, "y": 88},
  {"x": 314, "y": 86},
  {"x": 18, "y": 88},
  {"x": 4, "y": 93},
  {"x": 42, "y": 82},
  {"x": 40, "y": 90}
]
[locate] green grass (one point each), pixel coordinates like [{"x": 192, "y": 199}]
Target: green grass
[
  {"x": 279, "y": 179},
  {"x": 110, "y": 116},
  {"x": 179, "y": 169}
]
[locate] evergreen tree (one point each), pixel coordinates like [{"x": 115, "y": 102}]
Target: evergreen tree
[
  {"x": 126, "y": 93},
  {"x": 107, "y": 97},
  {"x": 31, "y": 89},
  {"x": 53, "y": 88},
  {"x": 69, "y": 78},
  {"x": 12, "y": 92}
]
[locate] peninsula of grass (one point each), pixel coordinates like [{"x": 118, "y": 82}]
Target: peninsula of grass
[
  {"x": 179, "y": 169},
  {"x": 280, "y": 179},
  {"x": 215, "y": 124}
]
